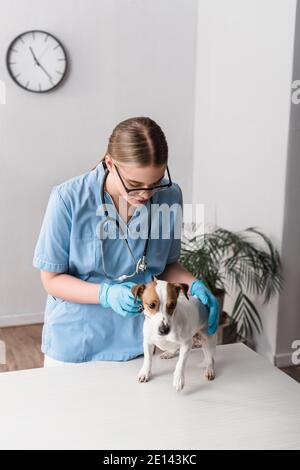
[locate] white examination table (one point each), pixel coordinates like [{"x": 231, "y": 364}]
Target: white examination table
[{"x": 251, "y": 404}]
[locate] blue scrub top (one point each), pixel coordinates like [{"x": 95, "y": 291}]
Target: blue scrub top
[{"x": 69, "y": 243}]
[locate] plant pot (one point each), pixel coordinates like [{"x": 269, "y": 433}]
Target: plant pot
[{"x": 220, "y": 295}]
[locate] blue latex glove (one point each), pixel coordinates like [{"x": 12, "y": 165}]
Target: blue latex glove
[
  {"x": 120, "y": 298},
  {"x": 199, "y": 289}
]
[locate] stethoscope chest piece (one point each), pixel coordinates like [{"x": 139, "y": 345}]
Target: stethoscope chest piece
[{"x": 141, "y": 265}]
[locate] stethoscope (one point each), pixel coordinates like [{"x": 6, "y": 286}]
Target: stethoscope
[{"x": 141, "y": 264}]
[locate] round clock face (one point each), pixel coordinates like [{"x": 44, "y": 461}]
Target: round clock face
[{"x": 36, "y": 61}]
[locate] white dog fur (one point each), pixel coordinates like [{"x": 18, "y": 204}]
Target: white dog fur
[{"x": 172, "y": 317}]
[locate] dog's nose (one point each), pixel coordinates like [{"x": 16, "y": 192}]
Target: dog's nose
[{"x": 163, "y": 329}]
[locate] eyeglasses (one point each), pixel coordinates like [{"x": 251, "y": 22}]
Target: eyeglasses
[{"x": 153, "y": 189}]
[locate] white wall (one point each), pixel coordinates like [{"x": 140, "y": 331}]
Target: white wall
[
  {"x": 245, "y": 56},
  {"x": 215, "y": 74},
  {"x": 288, "y": 329},
  {"x": 128, "y": 58}
]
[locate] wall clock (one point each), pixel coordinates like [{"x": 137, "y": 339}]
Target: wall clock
[{"x": 37, "y": 61}]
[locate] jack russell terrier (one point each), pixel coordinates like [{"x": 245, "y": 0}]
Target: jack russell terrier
[{"x": 171, "y": 320}]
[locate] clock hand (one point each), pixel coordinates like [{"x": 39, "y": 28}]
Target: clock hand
[
  {"x": 36, "y": 61},
  {"x": 44, "y": 70}
]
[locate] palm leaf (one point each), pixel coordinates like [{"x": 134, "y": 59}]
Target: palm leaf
[{"x": 237, "y": 260}]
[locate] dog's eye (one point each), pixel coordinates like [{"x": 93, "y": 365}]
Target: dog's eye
[
  {"x": 151, "y": 305},
  {"x": 172, "y": 305}
]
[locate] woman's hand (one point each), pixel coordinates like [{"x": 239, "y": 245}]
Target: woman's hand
[
  {"x": 120, "y": 298},
  {"x": 199, "y": 289}
]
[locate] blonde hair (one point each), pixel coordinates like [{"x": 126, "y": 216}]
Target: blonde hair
[{"x": 137, "y": 141}]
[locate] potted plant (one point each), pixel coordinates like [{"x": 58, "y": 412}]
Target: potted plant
[{"x": 224, "y": 259}]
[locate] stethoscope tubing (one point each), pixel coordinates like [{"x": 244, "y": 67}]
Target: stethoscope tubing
[{"x": 141, "y": 264}]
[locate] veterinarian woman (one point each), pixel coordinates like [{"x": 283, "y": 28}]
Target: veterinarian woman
[{"x": 90, "y": 314}]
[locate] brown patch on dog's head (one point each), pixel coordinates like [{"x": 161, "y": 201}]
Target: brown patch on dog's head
[
  {"x": 173, "y": 290},
  {"x": 148, "y": 295}
]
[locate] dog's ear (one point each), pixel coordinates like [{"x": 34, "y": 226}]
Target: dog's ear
[
  {"x": 137, "y": 291},
  {"x": 181, "y": 286}
]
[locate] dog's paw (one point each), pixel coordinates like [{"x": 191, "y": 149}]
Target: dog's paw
[
  {"x": 178, "y": 382},
  {"x": 209, "y": 373},
  {"x": 143, "y": 376},
  {"x": 168, "y": 354}
]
